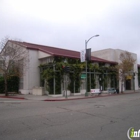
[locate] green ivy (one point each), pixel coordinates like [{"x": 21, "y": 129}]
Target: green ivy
[
  {"x": 93, "y": 84},
  {"x": 48, "y": 74},
  {"x": 75, "y": 76}
]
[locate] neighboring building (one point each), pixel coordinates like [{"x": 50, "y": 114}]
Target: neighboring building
[{"x": 131, "y": 82}]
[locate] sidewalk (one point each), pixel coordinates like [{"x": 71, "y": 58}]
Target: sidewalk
[{"x": 50, "y": 98}]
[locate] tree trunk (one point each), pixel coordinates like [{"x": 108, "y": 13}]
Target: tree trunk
[{"x": 5, "y": 84}]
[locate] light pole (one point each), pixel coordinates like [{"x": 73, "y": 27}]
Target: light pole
[
  {"x": 86, "y": 42},
  {"x": 65, "y": 79},
  {"x": 134, "y": 81}
]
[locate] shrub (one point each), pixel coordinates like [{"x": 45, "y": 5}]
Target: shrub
[{"x": 13, "y": 84}]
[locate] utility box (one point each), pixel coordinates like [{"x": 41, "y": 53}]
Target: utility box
[{"x": 38, "y": 91}]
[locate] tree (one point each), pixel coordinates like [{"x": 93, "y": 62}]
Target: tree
[
  {"x": 125, "y": 66},
  {"x": 13, "y": 59}
]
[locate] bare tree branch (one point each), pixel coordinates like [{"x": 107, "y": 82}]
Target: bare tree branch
[{"x": 13, "y": 59}]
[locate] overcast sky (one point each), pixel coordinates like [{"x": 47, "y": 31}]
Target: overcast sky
[{"x": 68, "y": 23}]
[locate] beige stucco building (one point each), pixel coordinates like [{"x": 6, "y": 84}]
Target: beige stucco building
[
  {"x": 40, "y": 54},
  {"x": 114, "y": 55}
]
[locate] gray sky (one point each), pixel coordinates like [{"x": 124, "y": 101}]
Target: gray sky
[{"x": 68, "y": 23}]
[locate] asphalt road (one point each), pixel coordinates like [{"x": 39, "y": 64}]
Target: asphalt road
[{"x": 103, "y": 118}]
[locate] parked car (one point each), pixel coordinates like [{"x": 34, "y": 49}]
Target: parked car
[{"x": 111, "y": 90}]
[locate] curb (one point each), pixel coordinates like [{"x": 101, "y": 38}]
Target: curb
[
  {"x": 22, "y": 98},
  {"x": 68, "y": 99}
]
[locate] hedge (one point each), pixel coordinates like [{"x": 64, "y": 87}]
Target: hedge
[{"x": 12, "y": 84}]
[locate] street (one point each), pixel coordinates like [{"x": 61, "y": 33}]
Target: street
[{"x": 103, "y": 118}]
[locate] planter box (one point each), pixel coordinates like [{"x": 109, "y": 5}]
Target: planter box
[{"x": 38, "y": 91}]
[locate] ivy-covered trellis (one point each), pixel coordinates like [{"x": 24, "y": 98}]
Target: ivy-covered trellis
[{"x": 53, "y": 73}]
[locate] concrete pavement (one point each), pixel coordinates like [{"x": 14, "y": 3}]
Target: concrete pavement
[
  {"x": 61, "y": 98},
  {"x": 106, "y": 118}
]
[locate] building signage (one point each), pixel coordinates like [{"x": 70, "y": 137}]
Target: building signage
[{"x": 82, "y": 55}]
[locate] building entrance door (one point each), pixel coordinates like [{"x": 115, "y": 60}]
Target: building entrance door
[{"x": 128, "y": 84}]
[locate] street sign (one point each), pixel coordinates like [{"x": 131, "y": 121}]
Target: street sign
[
  {"x": 83, "y": 76},
  {"x": 82, "y": 55}
]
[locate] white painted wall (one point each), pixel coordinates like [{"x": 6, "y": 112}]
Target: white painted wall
[
  {"x": 31, "y": 77},
  {"x": 34, "y": 72},
  {"x": 42, "y": 55}
]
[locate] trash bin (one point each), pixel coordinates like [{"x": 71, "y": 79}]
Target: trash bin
[{"x": 117, "y": 90}]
